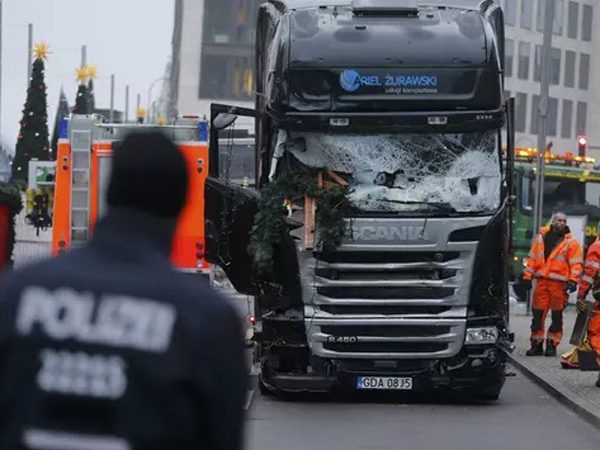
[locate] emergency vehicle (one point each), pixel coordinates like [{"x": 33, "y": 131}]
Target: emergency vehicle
[
  {"x": 571, "y": 185},
  {"x": 83, "y": 168}
]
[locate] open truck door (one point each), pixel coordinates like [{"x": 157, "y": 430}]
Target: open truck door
[{"x": 230, "y": 207}]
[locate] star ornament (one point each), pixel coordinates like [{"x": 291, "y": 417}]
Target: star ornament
[
  {"x": 41, "y": 51},
  {"x": 82, "y": 74},
  {"x": 92, "y": 72}
]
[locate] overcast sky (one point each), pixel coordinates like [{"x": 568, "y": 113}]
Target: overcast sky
[{"x": 128, "y": 38}]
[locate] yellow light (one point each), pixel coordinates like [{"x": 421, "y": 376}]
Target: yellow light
[
  {"x": 92, "y": 72},
  {"x": 41, "y": 51},
  {"x": 82, "y": 74},
  {"x": 516, "y": 258}
]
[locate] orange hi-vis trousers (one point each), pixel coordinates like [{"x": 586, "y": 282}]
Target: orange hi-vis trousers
[
  {"x": 548, "y": 295},
  {"x": 594, "y": 330}
]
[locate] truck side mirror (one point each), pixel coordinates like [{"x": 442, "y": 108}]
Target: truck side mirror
[{"x": 223, "y": 121}]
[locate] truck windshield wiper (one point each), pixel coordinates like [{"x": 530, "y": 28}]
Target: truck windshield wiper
[{"x": 443, "y": 207}]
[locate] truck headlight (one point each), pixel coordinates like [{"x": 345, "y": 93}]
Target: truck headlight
[{"x": 481, "y": 336}]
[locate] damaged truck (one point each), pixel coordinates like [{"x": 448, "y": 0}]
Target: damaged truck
[{"x": 374, "y": 237}]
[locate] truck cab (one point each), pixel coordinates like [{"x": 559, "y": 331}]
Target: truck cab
[{"x": 377, "y": 239}]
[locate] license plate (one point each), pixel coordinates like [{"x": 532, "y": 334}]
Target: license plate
[{"x": 385, "y": 383}]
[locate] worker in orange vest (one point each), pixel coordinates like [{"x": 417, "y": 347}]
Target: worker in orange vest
[
  {"x": 556, "y": 263},
  {"x": 591, "y": 281}
]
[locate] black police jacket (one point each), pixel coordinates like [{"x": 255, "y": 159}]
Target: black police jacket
[{"x": 107, "y": 347}]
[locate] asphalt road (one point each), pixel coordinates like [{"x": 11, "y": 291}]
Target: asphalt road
[{"x": 525, "y": 418}]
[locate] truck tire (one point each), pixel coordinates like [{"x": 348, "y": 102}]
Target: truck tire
[{"x": 263, "y": 389}]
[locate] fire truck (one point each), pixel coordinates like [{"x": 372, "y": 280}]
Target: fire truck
[{"x": 83, "y": 168}]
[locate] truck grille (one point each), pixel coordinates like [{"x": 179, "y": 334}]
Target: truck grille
[
  {"x": 368, "y": 257},
  {"x": 385, "y": 293},
  {"x": 389, "y": 304},
  {"x": 386, "y": 331},
  {"x": 387, "y": 347},
  {"x": 385, "y": 310}
]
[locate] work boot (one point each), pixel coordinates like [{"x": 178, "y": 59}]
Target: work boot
[
  {"x": 537, "y": 349},
  {"x": 550, "y": 349}
]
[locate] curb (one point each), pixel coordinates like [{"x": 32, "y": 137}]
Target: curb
[{"x": 577, "y": 406}]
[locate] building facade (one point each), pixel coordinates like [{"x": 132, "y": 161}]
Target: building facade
[
  {"x": 575, "y": 58},
  {"x": 213, "y": 54},
  {"x": 213, "y": 61}
]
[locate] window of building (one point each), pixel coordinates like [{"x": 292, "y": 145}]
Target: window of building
[
  {"x": 227, "y": 58},
  {"x": 521, "y": 113},
  {"x": 552, "y": 116},
  {"x": 559, "y": 17},
  {"x": 537, "y": 64},
  {"x": 527, "y": 14},
  {"x": 555, "y": 57},
  {"x": 510, "y": 12},
  {"x": 535, "y": 114},
  {"x": 586, "y": 26},
  {"x": 510, "y": 56},
  {"x": 573, "y": 28},
  {"x": 584, "y": 71},
  {"x": 227, "y": 77},
  {"x": 541, "y": 14},
  {"x": 524, "y": 57},
  {"x": 230, "y": 22},
  {"x": 581, "y": 126},
  {"x": 567, "y": 119},
  {"x": 569, "y": 68}
]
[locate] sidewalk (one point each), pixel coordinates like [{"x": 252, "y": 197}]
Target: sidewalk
[{"x": 574, "y": 388}]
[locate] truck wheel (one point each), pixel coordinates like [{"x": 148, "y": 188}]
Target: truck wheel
[{"x": 263, "y": 388}]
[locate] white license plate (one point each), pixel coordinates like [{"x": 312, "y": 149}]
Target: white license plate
[{"x": 385, "y": 383}]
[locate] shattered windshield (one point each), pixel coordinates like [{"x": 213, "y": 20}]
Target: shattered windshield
[{"x": 411, "y": 172}]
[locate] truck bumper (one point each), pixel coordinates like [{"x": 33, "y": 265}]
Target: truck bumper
[{"x": 473, "y": 370}]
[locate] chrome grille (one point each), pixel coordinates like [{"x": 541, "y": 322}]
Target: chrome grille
[{"x": 391, "y": 300}]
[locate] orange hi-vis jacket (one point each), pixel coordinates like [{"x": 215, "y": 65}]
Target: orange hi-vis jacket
[
  {"x": 565, "y": 263},
  {"x": 591, "y": 269}
]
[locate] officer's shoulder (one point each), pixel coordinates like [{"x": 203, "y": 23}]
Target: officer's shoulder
[{"x": 201, "y": 296}]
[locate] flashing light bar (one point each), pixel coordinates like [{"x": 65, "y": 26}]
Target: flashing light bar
[{"x": 530, "y": 153}]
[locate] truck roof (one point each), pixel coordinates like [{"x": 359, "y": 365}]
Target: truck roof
[
  {"x": 324, "y": 37},
  {"x": 461, "y": 4}
]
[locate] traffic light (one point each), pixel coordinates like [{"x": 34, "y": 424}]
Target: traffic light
[{"x": 582, "y": 145}]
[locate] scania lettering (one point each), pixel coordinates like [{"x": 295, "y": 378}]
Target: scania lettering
[
  {"x": 413, "y": 291},
  {"x": 390, "y": 234}
]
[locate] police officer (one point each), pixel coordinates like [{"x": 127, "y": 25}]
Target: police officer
[{"x": 107, "y": 346}]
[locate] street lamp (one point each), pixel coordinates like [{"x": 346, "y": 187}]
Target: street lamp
[{"x": 150, "y": 96}]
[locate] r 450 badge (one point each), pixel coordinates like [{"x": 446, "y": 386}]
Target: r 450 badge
[{"x": 342, "y": 339}]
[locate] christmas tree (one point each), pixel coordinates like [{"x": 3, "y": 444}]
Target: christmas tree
[
  {"x": 91, "y": 71},
  {"x": 32, "y": 142},
  {"x": 82, "y": 101},
  {"x": 62, "y": 112}
]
